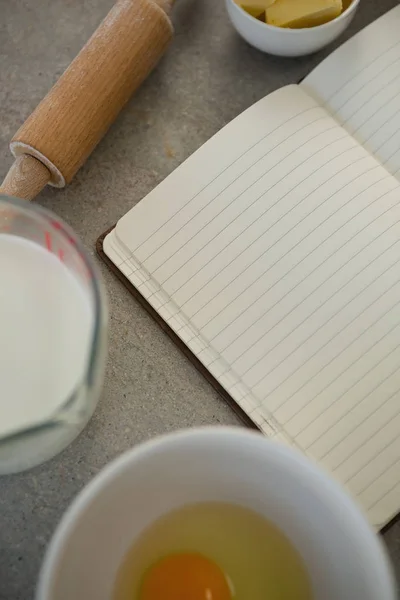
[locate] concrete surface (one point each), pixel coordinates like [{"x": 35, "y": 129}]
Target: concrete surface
[{"x": 207, "y": 78}]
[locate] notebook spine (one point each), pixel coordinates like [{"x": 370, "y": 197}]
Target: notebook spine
[{"x": 214, "y": 363}]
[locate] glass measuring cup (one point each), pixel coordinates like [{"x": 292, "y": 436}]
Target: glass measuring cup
[{"x": 61, "y": 377}]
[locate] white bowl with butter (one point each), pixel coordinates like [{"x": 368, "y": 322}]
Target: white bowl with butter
[{"x": 284, "y": 41}]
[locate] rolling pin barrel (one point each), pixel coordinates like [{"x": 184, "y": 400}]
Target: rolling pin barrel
[{"x": 76, "y": 113}]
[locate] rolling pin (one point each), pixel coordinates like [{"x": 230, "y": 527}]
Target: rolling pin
[{"x": 70, "y": 121}]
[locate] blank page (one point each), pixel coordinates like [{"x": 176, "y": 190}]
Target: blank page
[
  {"x": 360, "y": 85},
  {"x": 273, "y": 253}
]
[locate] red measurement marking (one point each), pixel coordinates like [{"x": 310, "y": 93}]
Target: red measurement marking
[
  {"x": 58, "y": 226},
  {"x": 47, "y": 237}
]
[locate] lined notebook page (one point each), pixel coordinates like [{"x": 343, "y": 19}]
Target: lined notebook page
[
  {"x": 276, "y": 261},
  {"x": 360, "y": 85}
]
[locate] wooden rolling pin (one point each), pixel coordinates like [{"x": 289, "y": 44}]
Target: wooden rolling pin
[{"x": 63, "y": 130}]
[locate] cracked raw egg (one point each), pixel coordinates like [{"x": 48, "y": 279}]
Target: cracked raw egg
[
  {"x": 212, "y": 551},
  {"x": 186, "y": 576}
]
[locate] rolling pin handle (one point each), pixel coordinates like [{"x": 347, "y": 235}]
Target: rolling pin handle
[
  {"x": 166, "y": 5},
  {"x": 26, "y": 178}
]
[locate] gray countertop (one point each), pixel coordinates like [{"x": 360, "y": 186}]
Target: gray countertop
[{"x": 208, "y": 77}]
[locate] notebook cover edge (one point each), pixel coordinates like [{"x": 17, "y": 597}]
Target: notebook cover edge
[{"x": 172, "y": 335}]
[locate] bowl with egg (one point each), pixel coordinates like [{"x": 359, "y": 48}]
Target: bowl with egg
[
  {"x": 291, "y": 27},
  {"x": 214, "y": 514}
]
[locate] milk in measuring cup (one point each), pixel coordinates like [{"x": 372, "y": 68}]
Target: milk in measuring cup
[{"x": 45, "y": 334}]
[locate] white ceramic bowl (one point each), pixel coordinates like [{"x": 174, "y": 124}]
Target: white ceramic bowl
[
  {"x": 343, "y": 556},
  {"x": 288, "y": 42}
]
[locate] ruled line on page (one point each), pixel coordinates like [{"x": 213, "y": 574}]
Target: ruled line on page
[
  {"x": 359, "y": 459},
  {"x": 230, "y": 184},
  {"x": 378, "y": 406},
  {"x": 372, "y": 79},
  {"x": 366, "y": 55},
  {"x": 264, "y": 137},
  {"x": 255, "y": 240},
  {"x": 379, "y": 131},
  {"x": 322, "y": 432},
  {"x": 300, "y": 414},
  {"x": 365, "y": 441},
  {"x": 289, "y": 375},
  {"x": 258, "y": 179},
  {"x": 379, "y": 150},
  {"x": 335, "y": 314},
  {"x": 350, "y": 80},
  {"x": 237, "y": 274},
  {"x": 369, "y": 117},
  {"x": 264, "y": 191},
  {"x": 377, "y": 482},
  {"x": 302, "y": 408},
  {"x": 394, "y": 487},
  {"x": 364, "y": 471},
  {"x": 306, "y": 196},
  {"x": 389, "y": 158},
  {"x": 296, "y": 265},
  {"x": 379, "y": 128},
  {"x": 381, "y": 476},
  {"x": 231, "y": 300},
  {"x": 262, "y": 357},
  {"x": 357, "y": 85},
  {"x": 377, "y": 403},
  {"x": 346, "y": 369},
  {"x": 369, "y": 101}
]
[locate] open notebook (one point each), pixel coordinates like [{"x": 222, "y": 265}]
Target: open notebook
[{"x": 274, "y": 254}]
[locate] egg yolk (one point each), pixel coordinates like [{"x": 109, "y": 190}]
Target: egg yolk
[{"x": 185, "y": 577}]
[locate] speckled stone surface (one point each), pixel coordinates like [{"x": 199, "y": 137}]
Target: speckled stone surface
[{"x": 207, "y": 78}]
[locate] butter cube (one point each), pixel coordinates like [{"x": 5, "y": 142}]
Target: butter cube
[
  {"x": 256, "y": 8},
  {"x": 296, "y": 14},
  {"x": 258, "y": 4},
  {"x": 254, "y": 11}
]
